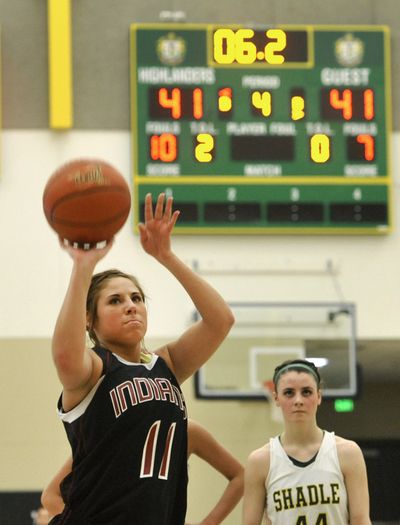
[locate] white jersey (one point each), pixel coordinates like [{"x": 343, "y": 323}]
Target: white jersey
[{"x": 314, "y": 494}]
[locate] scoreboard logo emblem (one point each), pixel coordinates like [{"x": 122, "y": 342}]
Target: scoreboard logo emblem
[
  {"x": 171, "y": 49},
  {"x": 349, "y": 50}
]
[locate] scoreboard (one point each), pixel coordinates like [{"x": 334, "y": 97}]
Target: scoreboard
[{"x": 263, "y": 129}]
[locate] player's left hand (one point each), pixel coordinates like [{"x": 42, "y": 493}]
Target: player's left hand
[{"x": 155, "y": 233}]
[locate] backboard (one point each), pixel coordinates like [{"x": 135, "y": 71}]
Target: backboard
[{"x": 266, "y": 334}]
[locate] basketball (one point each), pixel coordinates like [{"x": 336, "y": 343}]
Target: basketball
[{"x": 86, "y": 201}]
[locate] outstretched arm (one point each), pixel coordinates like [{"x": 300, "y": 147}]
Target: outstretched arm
[
  {"x": 196, "y": 345},
  {"x": 78, "y": 367},
  {"x": 51, "y": 498},
  {"x": 204, "y": 445}
]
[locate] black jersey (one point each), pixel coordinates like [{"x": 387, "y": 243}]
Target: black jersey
[{"x": 129, "y": 446}]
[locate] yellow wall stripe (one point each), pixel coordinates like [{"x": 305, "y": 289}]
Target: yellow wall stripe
[
  {"x": 1, "y": 98},
  {"x": 60, "y": 63}
]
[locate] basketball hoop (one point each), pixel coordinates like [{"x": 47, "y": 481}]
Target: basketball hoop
[{"x": 275, "y": 412}]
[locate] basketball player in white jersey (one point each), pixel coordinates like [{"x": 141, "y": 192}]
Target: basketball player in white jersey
[{"x": 306, "y": 475}]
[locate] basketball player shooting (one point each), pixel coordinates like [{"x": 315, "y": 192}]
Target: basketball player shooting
[{"x": 121, "y": 405}]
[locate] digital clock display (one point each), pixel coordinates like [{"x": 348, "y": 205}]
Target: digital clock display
[
  {"x": 247, "y": 46},
  {"x": 263, "y": 130}
]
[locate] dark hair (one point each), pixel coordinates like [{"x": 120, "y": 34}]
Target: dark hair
[
  {"x": 297, "y": 365},
  {"x": 98, "y": 282}
]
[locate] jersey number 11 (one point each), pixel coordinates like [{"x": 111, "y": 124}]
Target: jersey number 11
[{"x": 149, "y": 452}]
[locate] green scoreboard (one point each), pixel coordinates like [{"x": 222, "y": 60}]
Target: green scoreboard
[{"x": 263, "y": 129}]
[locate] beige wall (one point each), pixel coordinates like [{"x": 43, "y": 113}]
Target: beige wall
[{"x": 32, "y": 441}]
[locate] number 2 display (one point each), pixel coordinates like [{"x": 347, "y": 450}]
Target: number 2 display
[{"x": 275, "y": 130}]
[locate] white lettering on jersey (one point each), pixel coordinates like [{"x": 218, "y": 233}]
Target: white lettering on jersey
[{"x": 141, "y": 390}]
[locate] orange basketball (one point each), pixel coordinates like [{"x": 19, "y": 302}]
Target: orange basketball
[{"x": 86, "y": 201}]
